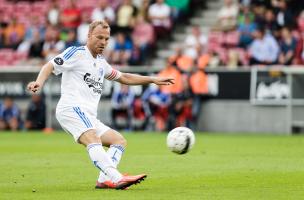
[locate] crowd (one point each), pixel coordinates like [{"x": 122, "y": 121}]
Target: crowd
[
  {"x": 165, "y": 107},
  {"x": 35, "y": 31},
  {"x": 249, "y": 32},
  {"x": 11, "y": 117}
]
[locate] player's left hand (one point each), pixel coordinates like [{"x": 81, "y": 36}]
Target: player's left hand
[{"x": 163, "y": 81}]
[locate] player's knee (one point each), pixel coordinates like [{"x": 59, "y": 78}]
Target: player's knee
[
  {"x": 122, "y": 141},
  {"x": 88, "y": 138}
]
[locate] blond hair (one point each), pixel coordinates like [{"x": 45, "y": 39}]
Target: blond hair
[{"x": 102, "y": 23}]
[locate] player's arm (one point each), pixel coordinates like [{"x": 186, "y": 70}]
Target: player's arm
[
  {"x": 135, "y": 79},
  {"x": 43, "y": 75}
]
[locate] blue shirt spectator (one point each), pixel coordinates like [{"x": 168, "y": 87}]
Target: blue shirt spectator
[
  {"x": 36, "y": 113},
  {"x": 122, "y": 107},
  {"x": 246, "y": 31},
  {"x": 264, "y": 49},
  {"x": 288, "y": 46},
  {"x": 9, "y": 115},
  {"x": 122, "y": 49}
]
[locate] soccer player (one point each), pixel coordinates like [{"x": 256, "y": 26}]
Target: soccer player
[{"x": 83, "y": 71}]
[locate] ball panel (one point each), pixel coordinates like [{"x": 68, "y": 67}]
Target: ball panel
[{"x": 180, "y": 140}]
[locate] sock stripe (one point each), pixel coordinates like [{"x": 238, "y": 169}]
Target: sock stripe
[
  {"x": 119, "y": 147},
  {"x": 93, "y": 145},
  {"x": 113, "y": 157}
]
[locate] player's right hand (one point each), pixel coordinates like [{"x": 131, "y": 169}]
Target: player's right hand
[{"x": 33, "y": 86}]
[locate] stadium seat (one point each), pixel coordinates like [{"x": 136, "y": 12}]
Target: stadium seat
[{"x": 232, "y": 38}]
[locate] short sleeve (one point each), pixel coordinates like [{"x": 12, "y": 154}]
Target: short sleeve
[
  {"x": 111, "y": 73},
  {"x": 66, "y": 60}
]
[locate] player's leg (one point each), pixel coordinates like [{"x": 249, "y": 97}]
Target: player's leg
[
  {"x": 116, "y": 143},
  {"x": 98, "y": 155},
  {"x": 102, "y": 161},
  {"x": 85, "y": 130},
  {"x": 82, "y": 127}
]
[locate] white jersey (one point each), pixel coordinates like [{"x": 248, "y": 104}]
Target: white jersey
[{"x": 82, "y": 78}]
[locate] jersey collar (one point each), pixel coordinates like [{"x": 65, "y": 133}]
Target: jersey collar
[{"x": 88, "y": 52}]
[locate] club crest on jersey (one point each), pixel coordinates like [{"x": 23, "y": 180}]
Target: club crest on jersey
[
  {"x": 58, "y": 61},
  {"x": 94, "y": 83}
]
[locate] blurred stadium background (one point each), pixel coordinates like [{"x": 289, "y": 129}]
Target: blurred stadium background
[
  {"x": 237, "y": 64},
  {"x": 238, "y": 67}
]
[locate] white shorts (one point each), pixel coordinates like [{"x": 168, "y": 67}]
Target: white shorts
[{"x": 76, "y": 121}]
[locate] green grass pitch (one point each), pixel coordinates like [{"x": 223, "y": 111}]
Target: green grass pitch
[{"x": 236, "y": 167}]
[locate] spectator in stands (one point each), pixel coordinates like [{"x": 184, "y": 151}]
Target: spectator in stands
[
  {"x": 159, "y": 14},
  {"x": 126, "y": 14},
  {"x": 135, "y": 57},
  {"x": 270, "y": 23},
  {"x": 246, "y": 31},
  {"x": 198, "y": 81},
  {"x": 35, "y": 51},
  {"x": 171, "y": 69},
  {"x": 83, "y": 28},
  {"x": 299, "y": 53},
  {"x": 108, "y": 53},
  {"x": 104, "y": 12},
  {"x": 300, "y": 22},
  {"x": 30, "y": 34},
  {"x": 179, "y": 9},
  {"x": 34, "y": 26},
  {"x": 264, "y": 49},
  {"x": 70, "y": 17},
  {"x": 184, "y": 63},
  {"x": 288, "y": 46},
  {"x": 122, "y": 101},
  {"x": 195, "y": 43},
  {"x": 53, "y": 13},
  {"x": 143, "y": 9},
  {"x": 36, "y": 113},
  {"x": 3, "y": 25},
  {"x": 71, "y": 39},
  {"x": 283, "y": 13},
  {"x": 155, "y": 104},
  {"x": 143, "y": 36},
  {"x": 227, "y": 16},
  {"x": 245, "y": 12},
  {"x": 13, "y": 34},
  {"x": 9, "y": 115},
  {"x": 259, "y": 13},
  {"x": 52, "y": 45},
  {"x": 180, "y": 109},
  {"x": 115, "y": 4},
  {"x": 122, "y": 49}
]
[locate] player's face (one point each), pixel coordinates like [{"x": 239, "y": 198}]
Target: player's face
[{"x": 98, "y": 39}]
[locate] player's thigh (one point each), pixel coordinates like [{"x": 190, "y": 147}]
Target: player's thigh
[
  {"x": 111, "y": 137},
  {"x": 76, "y": 122}
]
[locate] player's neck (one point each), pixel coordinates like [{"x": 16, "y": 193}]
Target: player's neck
[{"x": 92, "y": 53}]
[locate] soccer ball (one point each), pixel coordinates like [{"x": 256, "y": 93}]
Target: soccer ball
[{"x": 180, "y": 140}]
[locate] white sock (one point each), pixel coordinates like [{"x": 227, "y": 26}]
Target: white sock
[
  {"x": 102, "y": 161},
  {"x": 115, "y": 152}
]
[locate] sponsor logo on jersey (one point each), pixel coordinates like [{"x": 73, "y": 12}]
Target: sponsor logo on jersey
[
  {"x": 92, "y": 82},
  {"x": 58, "y": 61}
]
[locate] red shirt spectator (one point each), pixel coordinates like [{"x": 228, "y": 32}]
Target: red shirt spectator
[
  {"x": 143, "y": 32},
  {"x": 71, "y": 16}
]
